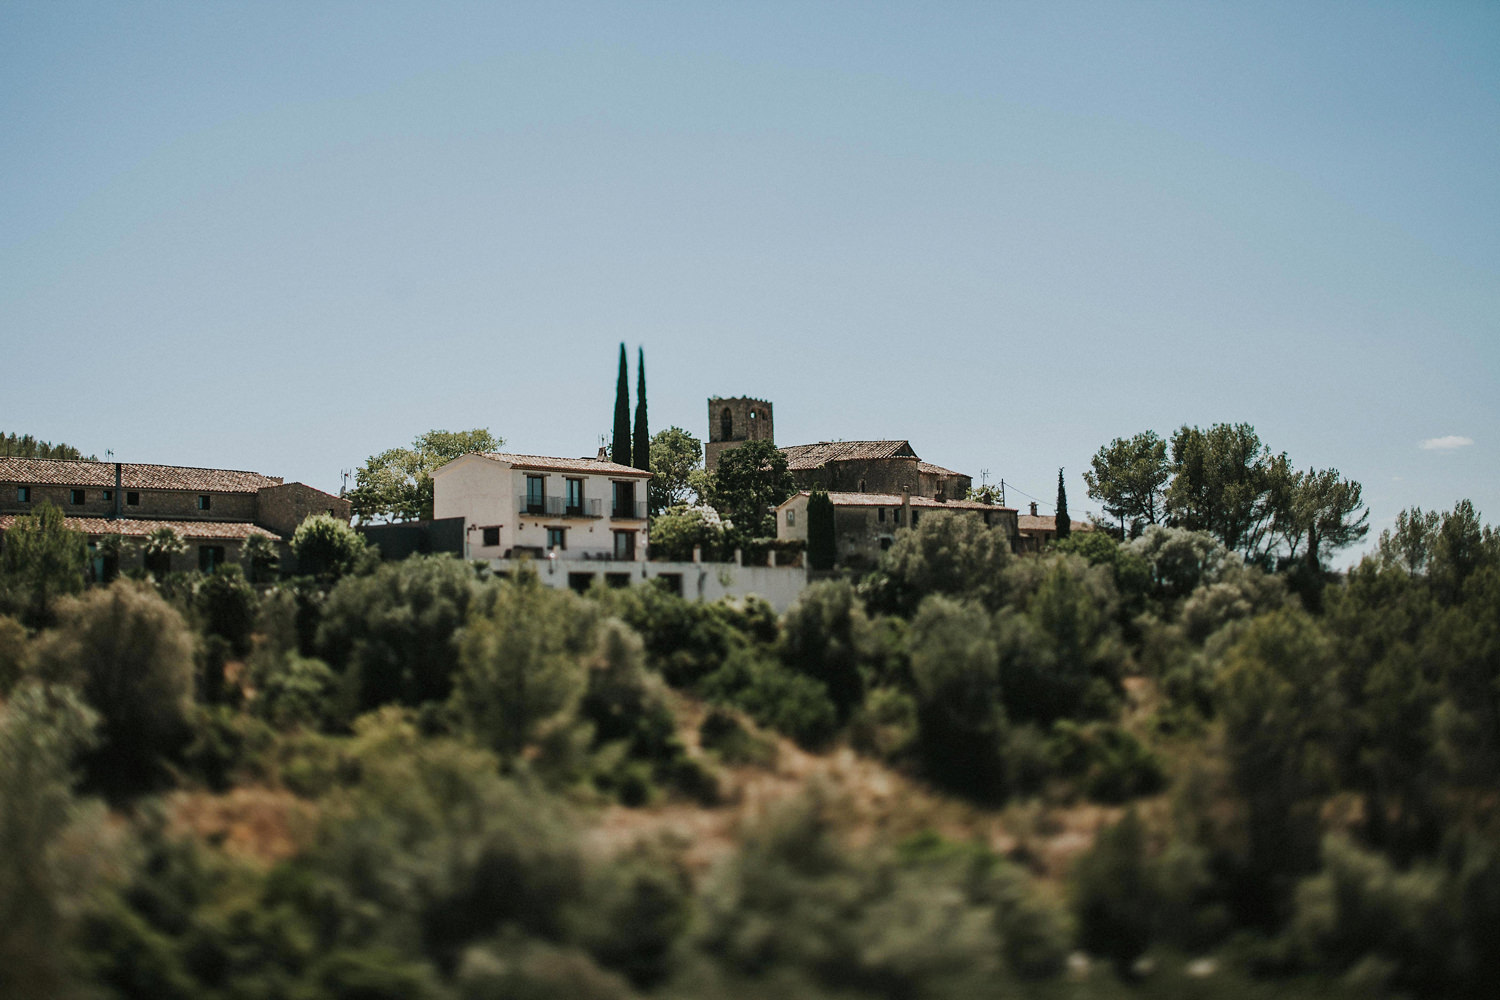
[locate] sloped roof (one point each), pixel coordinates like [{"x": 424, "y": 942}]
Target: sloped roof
[
  {"x": 1048, "y": 522},
  {"x": 139, "y": 528},
  {"x": 936, "y": 470},
  {"x": 894, "y": 500},
  {"x": 801, "y": 457},
  {"x": 133, "y": 476},
  {"x": 547, "y": 463}
]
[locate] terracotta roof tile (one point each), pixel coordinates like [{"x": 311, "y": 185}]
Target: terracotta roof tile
[
  {"x": 137, "y": 528},
  {"x": 894, "y": 500},
  {"x": 936, "y": 470},
  {"x": 547, "y": 463},
  {"x": 800, "y": 457},
  {"x": 134, "y": 476},
  {"x": 1047, "y": 522}
]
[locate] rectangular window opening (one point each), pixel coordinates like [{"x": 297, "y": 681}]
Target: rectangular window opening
[
  {"x": 204, "y": 501},
  {"x": 557, "y": 538},
  {"x": 23, "y": 494},
  {"x": 132, "y": 498},
  {"x": 491, "y": 537},
  {"x": 75, "y": 496}
]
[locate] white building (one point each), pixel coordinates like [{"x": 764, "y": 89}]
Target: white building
[{"x": 515, "y": 505}]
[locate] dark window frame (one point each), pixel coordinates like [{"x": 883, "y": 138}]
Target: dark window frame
[
  {"x": 23, "y": 494},
  {"x": 624, "y": 540},
  {"x": 77, "y": 498},
  {"x": 132, "y": 498},
  {"x": 205, "y": 501},
  {"x": 490, "y": 537},
  {"x": 561, "y": 535},
  {"x": 573, "y": 495}
]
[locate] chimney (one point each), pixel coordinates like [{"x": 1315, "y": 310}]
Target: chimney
[
  {"x": 118, "y": 498},
  {"x": 906, "y": 506},
  {"x": 1033, "y": 508}
]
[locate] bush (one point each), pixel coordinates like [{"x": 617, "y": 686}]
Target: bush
[
  {"x": 521, "y": 662},
  {"x": 678, "y": 530},
  {"x": 774, "y": 697},
  {"x": 826, "y": 636},
  {"x": 960, "y": 720},
  {"x": 393, "y": 633},
  {"x": 1110, "y": 763},
  {"x": 131, "y": 657},
  {"x": 15, "y": 654},
  {"x": 328, "y": 549},
  {"x": 1114, "y": 898},
  {"x": 228, "y": 606},
  {"x": 722, "y": 733},
  {"x": 956, "y": 555},
  {"x": 42, "y": 560}
]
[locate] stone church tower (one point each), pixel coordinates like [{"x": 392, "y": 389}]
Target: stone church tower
[{"x": 732, "y": 422}]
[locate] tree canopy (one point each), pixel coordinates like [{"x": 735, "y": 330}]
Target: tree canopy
[
  {"x": 619, "y": 447},
  {"x": 15, "y": 445},
  {"x": 1129, "y": 478},
  {"x": 396, "y": 485},
  {"x": 676, "y": 459},
  {"x": 752, "y": 478}
]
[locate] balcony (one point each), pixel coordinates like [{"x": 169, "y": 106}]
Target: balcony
[
  {"x": 557, "y": 507},
  {"x": 628, "y": 510}
]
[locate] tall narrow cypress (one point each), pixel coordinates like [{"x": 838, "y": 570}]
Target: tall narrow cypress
[
  {"x": 1064, "y": 522},
  {"x": 642, "y": 443},
  {"x": 619, "y": 451}
]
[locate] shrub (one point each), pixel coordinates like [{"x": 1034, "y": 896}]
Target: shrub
[
  {"x": 393, "y": 633},
  {"x": 42, "y": 560},
  {"x": 956, "y": 555},
  {"x": 228, "y": 606},
  {"x": 960, "y": 721},
  {"x": 131, "y": 657},
  {"x": 774, "y": 696},
  {"x": 328, "y": 549},
  {"x": 1110, "y": 763},
  {"x": 826, "y": 636},
  {"x": 722, "y": 733},
  {"x": 675, "y": 533},
  {"x": 1113, "y": 894},
  {"x": 15, "y": 654}
]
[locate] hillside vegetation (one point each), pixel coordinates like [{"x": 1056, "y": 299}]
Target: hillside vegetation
[{"x": 1141, "y": 768}]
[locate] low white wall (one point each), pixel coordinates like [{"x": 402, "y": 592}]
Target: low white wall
[{"x": 779, "y": 586}]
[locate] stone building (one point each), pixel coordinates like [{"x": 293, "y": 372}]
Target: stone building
[
  {"x": 213, "y": 510},
  {"x": 865, "y": 524},
  {"x": 1038, "y": 530},
  {"x": 872, "y": 467},
  {"x": 732, "y": 422}
]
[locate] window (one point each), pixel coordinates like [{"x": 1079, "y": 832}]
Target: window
[
  {"x": 880, "y": 514},
  {"x": 132, "y": 498},
  {"x": 671, "y": 583},
  {"x": 618, "y": 581},
  {"x": 625, "y": 545},
  {"x": 625, "y": 501},
  {"x": 574, "y": 496},
  {"x": 580, "y": 583},
  {"x": 536, "y": 492},
  {"x": 726, "y": 425},
  {"x": 557, "y": 538},
  {"x": 109, "y": 495},
  {"x": 861, "y": 485},
  {"x": 791, "y": 518},
  {"x": 23, "y": 494},
  {"x": 914, "y": 519},
  {"x": 75, "y": 496},
  {"x": 885, "y": 543},
  {"x": 492, "y": 536},
  {"x": 210, "y": 557},
  {"x": 204, "y": 501}
]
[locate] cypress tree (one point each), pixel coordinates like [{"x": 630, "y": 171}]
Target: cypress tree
[
  {"x": 619, "y": 451},
  {"x": 642, "y": 443},
  {"x": 1064, "y": 523},
  {"x": 821, "y": 548}
]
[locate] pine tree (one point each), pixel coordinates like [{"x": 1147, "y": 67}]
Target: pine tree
[
  {"x": 619, "y": 452},
  {"x": 641, "y": 451},
  {"x": 1064, "y": 523}
]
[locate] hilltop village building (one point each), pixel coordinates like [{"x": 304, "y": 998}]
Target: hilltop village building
[
  {"x": 580, "y": 522},
  {"x": 213, "y": 510},
  {"x": 876, "y": 486}
]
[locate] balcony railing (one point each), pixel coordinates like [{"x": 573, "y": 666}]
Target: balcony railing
[
  {"x": 628, "y": 510},
  {"x": 557, "y": 507}
]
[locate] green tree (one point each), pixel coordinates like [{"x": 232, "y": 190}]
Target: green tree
[
  {"x": 1325, "y": 514},
  {"x": 954, "y": 554},
  {"x": 227, "y": 605},
  {"x": 1062, "y": 520},
  {"x": 393, "y": 634},
  {"x": 1129, "y": 479},
  {"x": 641, "y": 442},
  {"x": 827, "y": 636},
  {"x": 520, "y": 662},
  {"x": 43, "y": 559},
  {"x": 1227, "y": 482},
  {"x": 158, "y": 548},
  {"x": 619, "y": 451},
  {"x": 42, "y": 730},
  {"x": 25, "y": 446},
  {"x": 396, "y": 485},
  {"x": 676, "y": 456},
  {"x": 822, "y": 546},
  {"x": 750, "y": 481},
  {"x": 961, "y": 726},
  {"x": 328, "y": 549},
  {"x": 259, "y": 555},
  {"x": 677, "y": 531},
  {"x": 130, "y": 655}
]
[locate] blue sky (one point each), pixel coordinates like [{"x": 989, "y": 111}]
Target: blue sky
[{"x": 286, "y": 236}]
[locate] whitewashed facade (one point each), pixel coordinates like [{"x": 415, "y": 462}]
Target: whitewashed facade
[{"x": 569, "y": 509}]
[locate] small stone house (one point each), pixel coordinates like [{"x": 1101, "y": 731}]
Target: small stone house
[
  {"x": 865, "y": 524},
  {"x": 1038, "y": 530},
  {"x": 213, "y": 510}
]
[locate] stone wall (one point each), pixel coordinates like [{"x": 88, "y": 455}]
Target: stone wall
[
  {"x": 874, "y": 475},
  {"x": 282, "y": 508},
  {"x": 749, "y": 420},
  {"x": 164, "y": 505}
]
